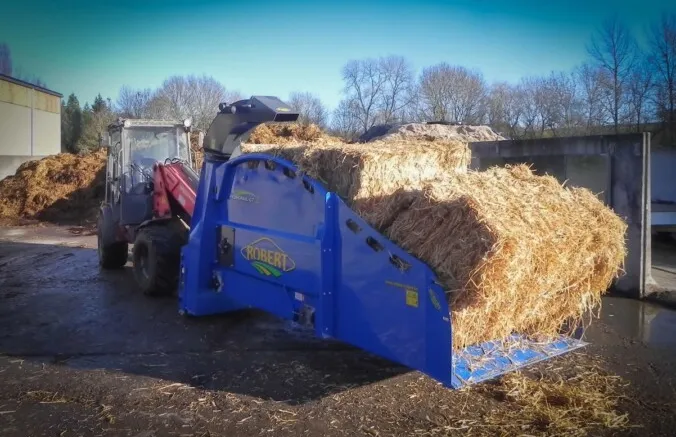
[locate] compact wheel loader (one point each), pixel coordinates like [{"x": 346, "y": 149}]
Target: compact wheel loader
[
  {"x": 150, "y": 192},
  {"x": 252, "y": 231}
]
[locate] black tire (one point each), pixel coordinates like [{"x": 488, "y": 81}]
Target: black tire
[
  {"x": 112, "y": 254},
  {"x": 157, "y": 258}
]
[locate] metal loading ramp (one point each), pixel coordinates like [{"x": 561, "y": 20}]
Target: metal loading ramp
[{"x": 264, "y": 236}]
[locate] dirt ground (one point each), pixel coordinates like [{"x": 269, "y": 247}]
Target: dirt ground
[{"x": 83, "y": 353}]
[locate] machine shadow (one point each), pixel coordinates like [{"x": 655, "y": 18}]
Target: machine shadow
[{"x": 57, "y": 307}]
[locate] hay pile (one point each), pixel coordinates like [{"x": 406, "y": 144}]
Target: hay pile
[
  {"x": 517, "y": 252},
  {"x": 60, "y": 188}
]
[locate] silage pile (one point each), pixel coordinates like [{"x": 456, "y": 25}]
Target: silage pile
[
  {"x": 516, "y": 252},
  {"x": 60, "y": 188},
  {"x": 430, "y": 132}
]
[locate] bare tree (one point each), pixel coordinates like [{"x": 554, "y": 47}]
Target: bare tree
[
  {"x": 453, "y": 93},
  {"x": 662, "y": 41},
  {"x": 21, "y": 74},
  {"x": 412, "y": 112},
  {"x": 310, "y": 108},
  {"x": 514, "y": 110},
  {"x": 562, "y": 103},
  {"x": 196, "y": 97},
  {"x": 639, "y": 87},
  {"x": 379, "y": 90},
  {"x": 398, "y": 90},
  {"x": 5, "y": 60},
  {"x": 434, "y": 89},
  {"x": 505, "y": 109},
  {"x": 364, "y": 85},
  {"x": 591, "y": 79},
  {"x": 532, "y": 121},
  {"x": 134, "y": 103},
  {"x": 497, "y": 106},
  {"x": 345, "y": 121},
  {"x": 613, "y": 48}
]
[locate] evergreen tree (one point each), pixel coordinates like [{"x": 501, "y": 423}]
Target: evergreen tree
[
  {"x": 65, "y": 128},
  {"x": 95, "y": 122},
  {"x": 72, "y": 117},
  {"x": 99, "y": 104}
]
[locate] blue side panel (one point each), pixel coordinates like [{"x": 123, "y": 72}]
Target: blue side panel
[
  {"x": 273, "y": 201},
  {"x": 397, "y": 313}
]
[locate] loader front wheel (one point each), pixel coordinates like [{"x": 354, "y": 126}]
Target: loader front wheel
[{"x": 157, "y": 258}]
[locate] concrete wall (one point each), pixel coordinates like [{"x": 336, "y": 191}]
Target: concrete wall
[
  {"x": 663, "y": 175},
  {"x": 616, "y": 167}
]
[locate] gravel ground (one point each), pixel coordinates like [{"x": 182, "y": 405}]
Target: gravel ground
[{"x": 83, "y": 353}]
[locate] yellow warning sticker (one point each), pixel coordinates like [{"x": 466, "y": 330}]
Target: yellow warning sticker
[
  {"x": 411, "y": 293},
  {"x": 412, "y": 298}
]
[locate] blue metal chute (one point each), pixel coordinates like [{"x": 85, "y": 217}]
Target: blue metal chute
[
  {"x": 491, "y": 359},
  {"x": 264, "y": 236}
]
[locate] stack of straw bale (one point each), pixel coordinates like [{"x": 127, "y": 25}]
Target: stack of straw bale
[{"x": 516, "y": 252}]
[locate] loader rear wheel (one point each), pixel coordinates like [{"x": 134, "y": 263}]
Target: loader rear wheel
[
  {"x": 157, "y": 258},
  {"x": 112, "y": 254}
]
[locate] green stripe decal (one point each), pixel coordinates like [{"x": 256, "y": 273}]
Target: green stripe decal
[
  {"x": 260, "y": 269},
  {"x": 266, "y": 269}
]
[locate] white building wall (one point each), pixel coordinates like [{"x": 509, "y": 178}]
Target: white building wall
[
  {"x": 15, "y": 130},
  {"x": 30, "y": 124},
  {"x": 46, "y": 133}
]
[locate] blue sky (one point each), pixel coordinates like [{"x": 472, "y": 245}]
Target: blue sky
[{"x": 275, "y": 47}]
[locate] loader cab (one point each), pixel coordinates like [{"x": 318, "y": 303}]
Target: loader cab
[{"x": 134, "y": 147}]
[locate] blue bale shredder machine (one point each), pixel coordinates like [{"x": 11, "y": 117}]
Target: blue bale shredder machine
[{"x": 264, "y": 236}]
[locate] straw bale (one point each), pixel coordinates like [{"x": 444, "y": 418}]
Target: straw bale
[
  {"x": 516, "y": 251},
  {"x": 366, "y": 174},
  {"x": 62, "y": 187}
]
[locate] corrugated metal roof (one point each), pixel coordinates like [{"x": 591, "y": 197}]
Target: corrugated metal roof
[{"x": 29, "y": 85}]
